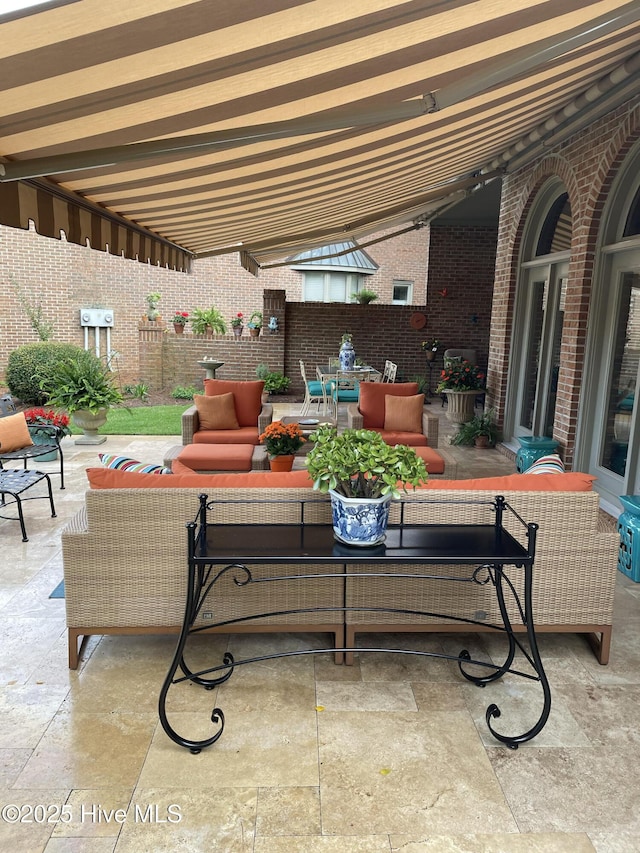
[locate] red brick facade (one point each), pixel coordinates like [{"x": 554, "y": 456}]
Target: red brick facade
[
  {"x": 63, "y": 277},
  {"x": 587, "y": 164}
]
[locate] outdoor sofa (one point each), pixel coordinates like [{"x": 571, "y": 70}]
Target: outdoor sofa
[{"x": 125, "y": 558}]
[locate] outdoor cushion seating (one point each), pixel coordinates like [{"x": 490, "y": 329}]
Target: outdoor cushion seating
[
  {"x": 236, "y": 417},
  {"x": 203, "y": 458},
  {"x": 574, "y": 587},
  {"x": 398, "y": 424}
]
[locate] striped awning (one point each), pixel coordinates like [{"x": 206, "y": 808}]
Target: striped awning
[{"x": 177, "y": 127}]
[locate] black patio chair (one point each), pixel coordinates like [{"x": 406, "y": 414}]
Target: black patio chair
[{"x": 31, "y": 451}]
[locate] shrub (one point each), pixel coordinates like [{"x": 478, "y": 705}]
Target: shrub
[
  {"x": 180, "y": 392},
  {"x": 276, "y": 383},
  {"x": 29, "y": 364}
]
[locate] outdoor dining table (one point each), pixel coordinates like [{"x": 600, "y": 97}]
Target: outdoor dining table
[{"x": 369, "y": 374}]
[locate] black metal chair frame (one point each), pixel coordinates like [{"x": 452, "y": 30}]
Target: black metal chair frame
[
  {"x": 14, "y": 483},
  {"x": 33, "y": 451}
]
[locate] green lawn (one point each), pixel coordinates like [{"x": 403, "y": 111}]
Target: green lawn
[{"x": 142, "y": 420}]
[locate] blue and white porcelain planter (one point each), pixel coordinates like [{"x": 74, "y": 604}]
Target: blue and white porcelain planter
[
  {"x": 359, "y": 521},
  {"x": 347, "y": 356}
]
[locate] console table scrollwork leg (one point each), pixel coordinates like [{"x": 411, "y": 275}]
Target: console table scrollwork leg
[
  {"x": 217, "y": 716},
  {"x": 493, "y": 712},
  {"x": 494, "y": 575}
]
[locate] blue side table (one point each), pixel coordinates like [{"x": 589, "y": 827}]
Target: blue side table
[
  {"x": 532, "y": 448},
  {"x": 629, "y": 529}
]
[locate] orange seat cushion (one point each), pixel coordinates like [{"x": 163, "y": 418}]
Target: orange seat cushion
[
  {"x": 434, "y": 463},
  {"x": 413, "y": 439},
  {"x": 372, "y": 403},
  {"x": 242, "y": 435},
  {"x": 110, "y": 478},
  {"x": 217, "y": 457},
  {"x": 247, "y": 397}
]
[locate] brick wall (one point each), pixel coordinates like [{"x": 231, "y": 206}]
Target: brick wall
[
  {"x": 64, "y": 277},
  {"x": 587, "y": 164}
]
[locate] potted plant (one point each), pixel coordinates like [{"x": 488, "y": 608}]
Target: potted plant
[
  {"x": 361, "y": 473},
  {"x": 45, "y": 427},
  {"x": 461, "y": 382},
  {"x": 364, "y": 296},
  {"x": 85, "y": 388},
  {"x": 180, "y": 320},
  {"x": 206, "y": 321},
  {"x": 255, "y": 324},
  {"x": 282, "y": 441},
  {"x": 481, "y": 430},
  {"x": 236, "y": 324},
  {"x": 152, "y": 306},
  {"x": 430, "y": 348}
]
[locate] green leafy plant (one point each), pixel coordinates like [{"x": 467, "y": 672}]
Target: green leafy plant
[
  {"x": 359, "y": 463},
  {"x": 203, "y": 319},
  {"x": 364, "y": 296},
  {"x": 152, "y": 305},
  {"x": 255, "y": 321},
  {"x": 181, "y": 392},
  {"x": 138, "y": 392},
  {"x": 422, "y": 382},
  {"x": 262, "y": 371},
  {"x": 276, "y": 383},
  {"x": 30, "y": 364},
  {"x": 34, "y": 312},
  {"x": 430, "y": 345},
  {"x": 82, "y": 384},
  {"x": 461, "y": 376},
  {"x": 479, "y": 425},
  {"x": 180, "y": 318},
  {"x": 236, "y": 322}
]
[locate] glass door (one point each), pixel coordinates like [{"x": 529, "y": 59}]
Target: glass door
[
  {"x": 614, "y": 446},
  {"x": 543, "y": 290}
]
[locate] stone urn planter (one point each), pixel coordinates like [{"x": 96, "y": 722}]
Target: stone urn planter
[
  {"x": 90, "y": 423},
  {"x": 460, "y": 405}
]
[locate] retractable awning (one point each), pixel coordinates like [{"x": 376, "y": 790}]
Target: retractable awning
[{"x": 176, "y": 127}]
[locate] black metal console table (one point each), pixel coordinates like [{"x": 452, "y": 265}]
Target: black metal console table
[{"x": 217, "y": 549}]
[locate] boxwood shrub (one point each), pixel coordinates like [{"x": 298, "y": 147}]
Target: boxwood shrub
[{"x": 29, "y": 364}]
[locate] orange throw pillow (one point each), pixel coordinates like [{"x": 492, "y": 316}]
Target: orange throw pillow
[
  {"x": 247, "y": 397},
  {"x": 217, "y": 412},
  {"x": 14, "y": 433},
  {"x": 372, "y": 400},
  {"x": 403, "y": 414}
]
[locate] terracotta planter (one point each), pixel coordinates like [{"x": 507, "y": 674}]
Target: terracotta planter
[
  {"x": 178, "y": 328},
  {"x": 254, "y": 333},
  {"x": 281, "y": 463},
  {"x": 460, "y": 405},
  {"x": 430, "y": 355},
  {"x": 481, "y": 441}
]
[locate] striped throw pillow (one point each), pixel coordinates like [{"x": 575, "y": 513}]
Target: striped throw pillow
[
  {"x": 123, "y": 463},
  {"x": 550, "y": 464}
]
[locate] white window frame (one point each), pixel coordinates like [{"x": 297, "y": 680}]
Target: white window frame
[
  {"x": 399, "y": 282},
  {"x": 352, "y": 284}
]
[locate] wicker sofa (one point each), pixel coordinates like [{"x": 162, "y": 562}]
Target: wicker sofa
[{"x": 124, "y": 559}]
